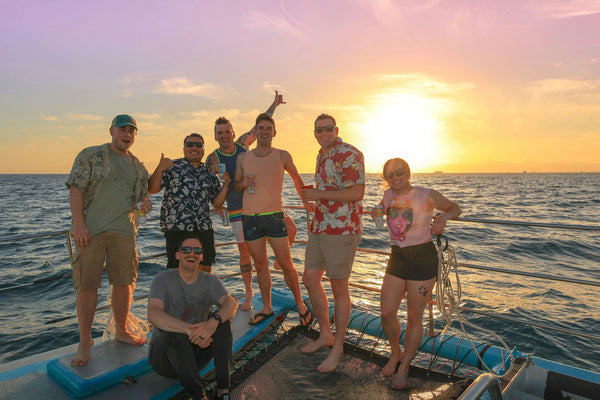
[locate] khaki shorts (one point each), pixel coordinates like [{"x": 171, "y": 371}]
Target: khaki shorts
[
  {"x": 333, "y": 253},
  {"x": 121, "y": 257}
]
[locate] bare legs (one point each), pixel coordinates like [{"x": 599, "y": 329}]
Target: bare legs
[
  {"x": 392, "y": 292},
  {"x": 292, "y": 230},
  {"x": 86, "y": 307},
  {"x": 341, "y": 301},
  {"x": 121, "y": 301},
  {"x": 281, "y": 248},
  {"x": 245, "y": 263}
]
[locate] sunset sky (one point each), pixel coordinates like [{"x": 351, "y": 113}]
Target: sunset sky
[{"x": 457, "y": 86}]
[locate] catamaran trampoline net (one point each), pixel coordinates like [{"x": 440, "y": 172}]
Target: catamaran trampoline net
[{"x": 278, "y": 370}]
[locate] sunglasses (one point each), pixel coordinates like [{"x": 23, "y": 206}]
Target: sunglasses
[
  {"x": 398, "y": 172},
  {"x": 328, "y": 128},
  {"x": 189, "y": 249},
  {"x": 194, "y": 144}
]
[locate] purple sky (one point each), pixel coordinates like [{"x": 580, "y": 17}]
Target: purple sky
[{"x": 459, "y": 86}]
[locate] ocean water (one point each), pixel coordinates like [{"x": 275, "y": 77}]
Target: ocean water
[{"x": 37, "y": 299}]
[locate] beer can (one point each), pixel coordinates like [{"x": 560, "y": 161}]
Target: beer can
[
  {"x": 378, "y": 215},
  {"x": 225, "y": 217}
]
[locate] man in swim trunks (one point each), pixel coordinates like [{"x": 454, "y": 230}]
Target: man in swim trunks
[
  {"x": 335, "y": 234},
  {"x": 187, "y": 335},
  {"x": 105, "y": 184},
  {"x": 227, "y": 154},
  {"x": 262, "y": 171},
  {"x": 190, "y": 189}
]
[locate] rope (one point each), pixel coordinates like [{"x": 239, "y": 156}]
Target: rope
[{"x": 448, "y": 300}]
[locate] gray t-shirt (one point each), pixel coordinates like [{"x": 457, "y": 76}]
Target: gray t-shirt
[{"x": 188, "y": 302}]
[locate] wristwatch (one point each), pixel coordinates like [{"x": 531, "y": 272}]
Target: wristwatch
[{"x": 215, "y": 316}]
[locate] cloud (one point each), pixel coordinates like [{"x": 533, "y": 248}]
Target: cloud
[
  {"x": 49, "y": 117},
  {"x": 184, "y": 86},
  {"x": 261, "y": 21},
  {"x": 548, "y": 86},
  {"x": 148, "y": 117},
  {"x": 423, "y": 84},
  {"x": 388, "y": 12},
  {"x": 84, "y": 117},
  {"x": 556, "y": 9},
  {"x": 135, "y": 78}
]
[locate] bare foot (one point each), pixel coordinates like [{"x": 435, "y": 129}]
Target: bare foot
[
  {"x": 317, "y": 344},
  {"x": 128, "y": 338},
  {"x": 276, "y": 265},
  {"x": 331, "y": 362},
  {"x": 83, "y": 354},
  {"x": 400, "y": 381},
  {"x": 392, "y": 365},
  {"x": 247, "y": 304}
]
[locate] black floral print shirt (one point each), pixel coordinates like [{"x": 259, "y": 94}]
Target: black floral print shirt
[{"x": 188, "y": 196}]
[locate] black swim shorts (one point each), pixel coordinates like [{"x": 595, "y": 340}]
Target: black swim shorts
[
  {"x": 413, "y": 263},
  {"x": 258, "y": 226}
]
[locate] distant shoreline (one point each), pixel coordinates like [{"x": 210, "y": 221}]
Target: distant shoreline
[{"x": 439, "y": 173}]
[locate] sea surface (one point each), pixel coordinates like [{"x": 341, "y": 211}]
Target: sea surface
[{"x": 37, "y": 299}]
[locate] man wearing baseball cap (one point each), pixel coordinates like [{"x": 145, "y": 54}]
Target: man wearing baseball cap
[{"x": 105, "y": 184}]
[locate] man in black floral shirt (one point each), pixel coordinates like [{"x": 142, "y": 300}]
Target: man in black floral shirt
[{"x": 190, "y": 190}]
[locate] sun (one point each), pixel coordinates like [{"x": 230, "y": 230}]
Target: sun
[{"x": 404, "y": 127}]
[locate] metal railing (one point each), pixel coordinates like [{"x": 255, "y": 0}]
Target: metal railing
[
  {"x": 379, "y": 252},
  {"x": 482, "y": 384}
]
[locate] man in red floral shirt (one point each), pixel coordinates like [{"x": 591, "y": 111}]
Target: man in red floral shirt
[{"x": 335, "y": 234}]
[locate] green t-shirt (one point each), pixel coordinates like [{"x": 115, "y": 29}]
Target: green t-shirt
[{"x": 113, "y": 208}]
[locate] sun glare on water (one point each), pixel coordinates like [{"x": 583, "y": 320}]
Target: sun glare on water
[{"x": 404, "y": 128}]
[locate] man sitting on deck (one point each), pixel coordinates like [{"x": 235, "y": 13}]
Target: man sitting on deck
[{"x": 187, "y": 335}]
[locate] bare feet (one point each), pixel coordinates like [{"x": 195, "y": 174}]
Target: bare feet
[
  {"x": 392, "y": 365},
  {"x": 247, "y": 304},
  {"x": 130, "y": 339},
  {"x": 332, "y": 361},
  {"x": 317, "y": 344},
  {"x": 83, "y": 353}
]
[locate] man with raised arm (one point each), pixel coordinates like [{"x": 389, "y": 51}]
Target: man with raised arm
[
  {"x": 335, "y": 234},
  {"x": 187, "y": 334},
  {"x": 259, "y": 174},
  {"x": 105, "y": 184},
  {"x": 227, "y": 154},
  {"x": 190, "y": 190}
]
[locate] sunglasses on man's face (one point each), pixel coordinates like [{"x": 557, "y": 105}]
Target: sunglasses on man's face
[
  {"x": 189, "y": 249},
  {"x": 328, "y": 128},
  {"x": 192, "y": 144}
]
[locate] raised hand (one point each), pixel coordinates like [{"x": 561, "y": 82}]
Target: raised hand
[
  {"x": 278, "y": 99},
  {"x": 164, "y": 163}
]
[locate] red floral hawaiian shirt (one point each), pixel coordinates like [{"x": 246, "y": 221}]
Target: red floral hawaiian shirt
[{"x": 339, "y": 168}]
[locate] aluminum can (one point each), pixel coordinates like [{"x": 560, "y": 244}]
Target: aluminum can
[
  {"x": 225, "y": 217},
  {"x": 141, "y": 215},
  {"x": 251, "y": 187},
  {"x": 221, "y": 172},
  {"x": 378, "y": 216}
]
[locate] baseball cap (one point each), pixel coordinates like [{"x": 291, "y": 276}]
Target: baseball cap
[{"x": 122, "y": 120}]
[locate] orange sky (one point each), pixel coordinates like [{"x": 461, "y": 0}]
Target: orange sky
[{"x": 461, "y": 86}]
